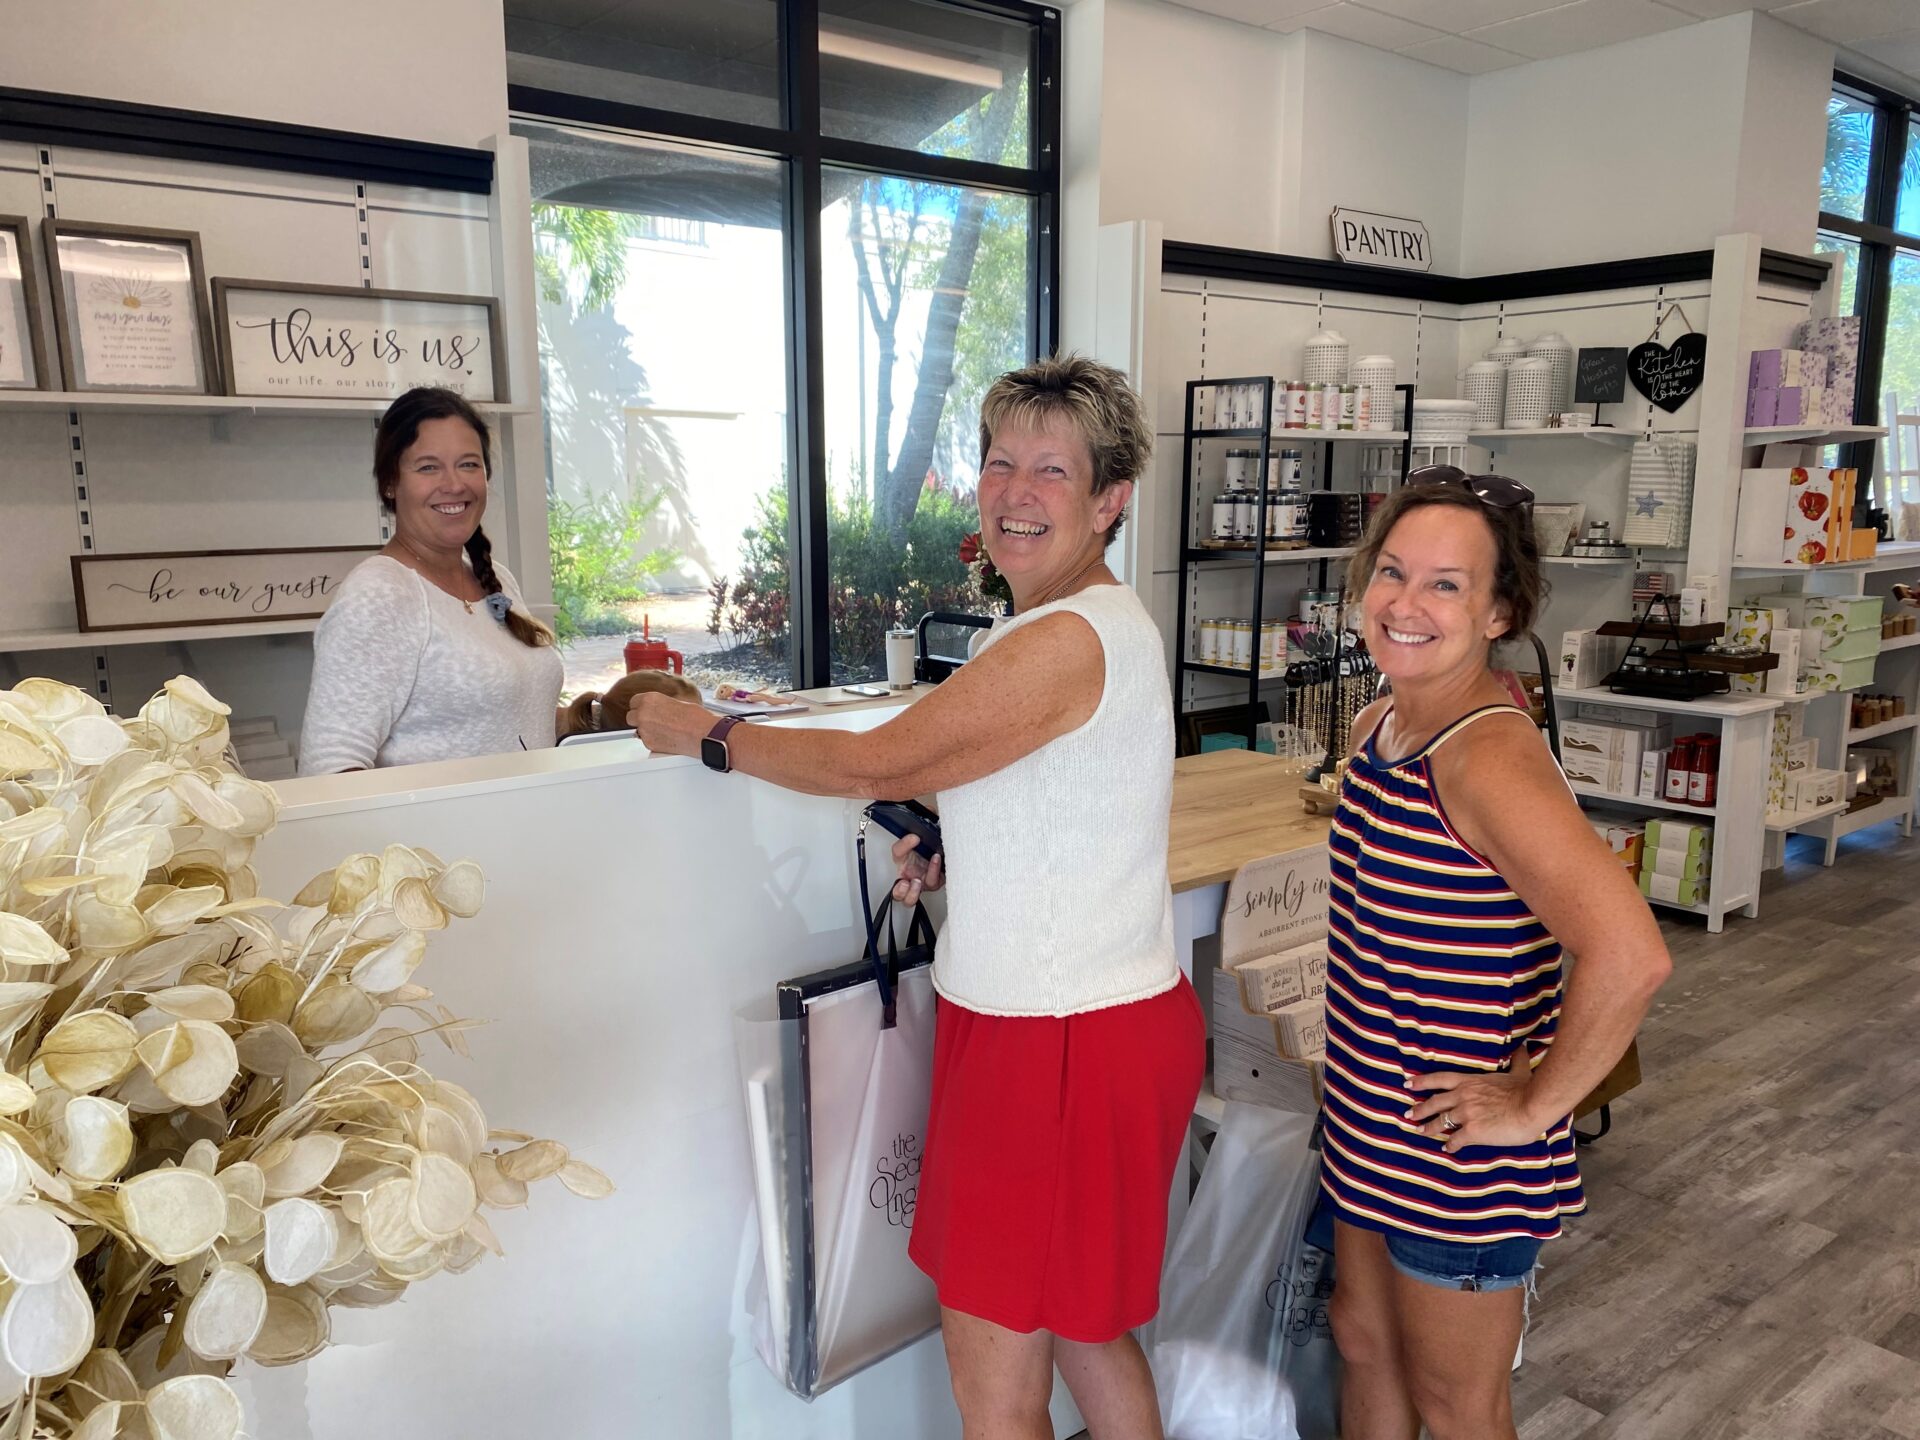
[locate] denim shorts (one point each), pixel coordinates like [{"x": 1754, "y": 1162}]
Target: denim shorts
[{"x": 1451, "y": 1264}]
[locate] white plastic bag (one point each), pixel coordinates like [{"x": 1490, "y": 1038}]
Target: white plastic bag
[{"x": 1242, "y": 1348}]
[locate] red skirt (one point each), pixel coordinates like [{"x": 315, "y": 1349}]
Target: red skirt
[{"x": 1051, "y": 1149}]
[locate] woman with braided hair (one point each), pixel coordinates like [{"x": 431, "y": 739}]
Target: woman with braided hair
[{"x": 429, "y": 652}]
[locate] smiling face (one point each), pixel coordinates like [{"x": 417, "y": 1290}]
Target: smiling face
[
  {"x": 1039, "y": 518},
  {"x": 441, "y": 490},
  {"x": 1430, "y": 611}
]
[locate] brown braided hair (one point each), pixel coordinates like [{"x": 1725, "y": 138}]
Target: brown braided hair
[{"x": 399, "y": 428}]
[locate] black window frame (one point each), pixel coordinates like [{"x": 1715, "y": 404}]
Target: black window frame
[
  {"x": 799, "y": 142},
  {"x": 1879, "y": 240}
]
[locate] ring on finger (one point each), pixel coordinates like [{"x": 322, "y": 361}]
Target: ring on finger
[{"x": 1448, "y": 1123}]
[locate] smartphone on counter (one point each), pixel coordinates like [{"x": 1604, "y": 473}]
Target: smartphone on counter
[
  {"x": 877, "y": 692},
  {"x": 901, "y": 818}
]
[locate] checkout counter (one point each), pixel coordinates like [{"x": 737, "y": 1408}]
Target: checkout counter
[{"x": 634, "y": 904}]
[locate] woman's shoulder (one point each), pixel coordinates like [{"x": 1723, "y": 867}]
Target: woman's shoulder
[
  {"x": 509, "y": 582},
  {"x": 1503, "y": 744},
  {"x": 378, "y": 586}
]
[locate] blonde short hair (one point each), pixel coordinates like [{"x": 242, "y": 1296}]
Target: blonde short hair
[{"x": 1096, "y": 398}]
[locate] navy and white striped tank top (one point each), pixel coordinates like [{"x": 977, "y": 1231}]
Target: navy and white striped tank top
[{"x": 1433, "y": 964}]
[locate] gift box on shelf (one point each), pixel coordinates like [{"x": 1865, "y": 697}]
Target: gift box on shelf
[{"x": 1835, "y": 340}]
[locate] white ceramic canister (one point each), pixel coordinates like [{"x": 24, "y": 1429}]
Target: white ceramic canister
[
  {"x": 1486, "y": 386},
  {"x": 1326, "y": 358},
  {"x": 1529, "y": 394},
  {"x": 1507, "y": 349},
  {"x": 1557, "y": 351},
  {"x": 1378, "y": 374}
]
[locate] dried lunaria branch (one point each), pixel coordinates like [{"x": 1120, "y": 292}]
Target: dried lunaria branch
[{"x": 205, "y": 1141}]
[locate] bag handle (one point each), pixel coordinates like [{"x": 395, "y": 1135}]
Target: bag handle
[{"x": 886, "y": 976}]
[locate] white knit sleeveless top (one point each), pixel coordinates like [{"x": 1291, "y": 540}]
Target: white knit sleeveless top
[{"x": 1057, "y": 898}]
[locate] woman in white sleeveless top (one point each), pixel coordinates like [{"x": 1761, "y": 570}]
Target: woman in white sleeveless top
[{"x": 1070, "y": 1048}]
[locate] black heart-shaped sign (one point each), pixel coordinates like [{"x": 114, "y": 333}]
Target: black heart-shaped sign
[{"x": 1668, "y": 374}]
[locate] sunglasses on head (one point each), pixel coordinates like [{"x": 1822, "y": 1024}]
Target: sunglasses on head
[{"x": 1499, "y": 491}]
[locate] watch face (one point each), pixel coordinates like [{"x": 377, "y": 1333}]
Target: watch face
[{"x": 713, "y": 753}]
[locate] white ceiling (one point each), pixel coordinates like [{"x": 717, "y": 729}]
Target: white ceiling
[{"x": 1475, "y": 36}]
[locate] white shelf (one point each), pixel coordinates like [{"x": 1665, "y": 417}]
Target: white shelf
[
  {"x": 1365, "y": 437},
  {"x": 21, "y": 641},
  {"x": 1591, "y": 561},
  {"x": 1900, "y": 642},
  {"x": 1273, "y": 557},
  {"x": 1788, "y": 567},
  {"x": 1894, "y": 807},
  {"x": 1788, "y": 820},
  {"x": 1885, "y": 727},
  {"x": 1710, "y": 909},
  {"x": 1638, "y": 802},
  {"x": 288, "y": 405},
  {"x": 1813, "y": 434},
  {"x": 1895, "y": 555},
  {"x": 1602, "y": 434},
  {"x": 1719, "y": 707}
]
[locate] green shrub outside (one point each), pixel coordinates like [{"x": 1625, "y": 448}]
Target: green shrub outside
[
  {"x": 874, "y": 581},
  {"x": 598, "y": 563}
]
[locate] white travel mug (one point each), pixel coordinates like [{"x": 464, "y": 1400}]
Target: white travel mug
[{"x": 900, "y": 644}]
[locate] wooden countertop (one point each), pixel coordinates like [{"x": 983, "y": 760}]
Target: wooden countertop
[{"x": 1229, "y": 807}]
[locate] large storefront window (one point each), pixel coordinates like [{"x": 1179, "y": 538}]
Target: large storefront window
[
  {"x": 926, "y": 300},
  {"x": 666, "y": 424},
  {"x": 770, "y": 310},
  {"x": 1870, "y": 219}
]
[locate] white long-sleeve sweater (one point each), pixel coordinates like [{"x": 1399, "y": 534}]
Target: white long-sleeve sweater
[{"x": 403, "y": 674}]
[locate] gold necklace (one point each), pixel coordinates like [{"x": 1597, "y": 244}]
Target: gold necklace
[{"x": 408, "y": 546}]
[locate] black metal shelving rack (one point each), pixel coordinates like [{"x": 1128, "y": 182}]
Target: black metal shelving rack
[{"x": 1192, "y": 555}]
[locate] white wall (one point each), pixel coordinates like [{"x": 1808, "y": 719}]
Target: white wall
[
  {"x": 1230, "y": 135},
  {"x": 1191, "y": 114},
  {"x": 1644, "y": 148},
  {"x": 1376, "y": 131},
  {"x": 1783, "y": 136},
  {"x": 433, "y": 70}
]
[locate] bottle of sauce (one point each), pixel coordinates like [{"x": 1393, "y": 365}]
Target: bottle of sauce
[
  {"x": 1680, "y": 769},
  {"x": 1703, "y": 776}
]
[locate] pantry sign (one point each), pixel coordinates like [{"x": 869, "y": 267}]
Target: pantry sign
[{"x": 1361, "y": 237}]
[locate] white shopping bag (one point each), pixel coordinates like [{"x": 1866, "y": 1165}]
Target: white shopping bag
[
  {"x": 1242, "y": 1348},
  {"x": 838, "y": 1090}
]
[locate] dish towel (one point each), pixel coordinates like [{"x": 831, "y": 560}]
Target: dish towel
[{"x": 1660, "y": 493}]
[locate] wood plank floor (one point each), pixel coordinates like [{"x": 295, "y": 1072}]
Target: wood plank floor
[{"x": 1750, "y": 1265}]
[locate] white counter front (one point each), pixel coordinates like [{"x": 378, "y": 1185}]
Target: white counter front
[{"x": 634, "y": 903}]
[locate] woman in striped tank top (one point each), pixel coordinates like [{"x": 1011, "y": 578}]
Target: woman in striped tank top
[{"x": 1455, "y": 1052}]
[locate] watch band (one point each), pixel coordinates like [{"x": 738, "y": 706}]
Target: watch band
[{"x": 714, "y": 753}]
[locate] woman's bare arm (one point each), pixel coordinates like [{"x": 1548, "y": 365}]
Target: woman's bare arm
[
  {"x": 1035, "y": 685},
  {"x": 1505, "y": 797}
]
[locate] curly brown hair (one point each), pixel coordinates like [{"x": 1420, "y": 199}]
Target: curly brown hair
[{"x": 1518, "y": 583}]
